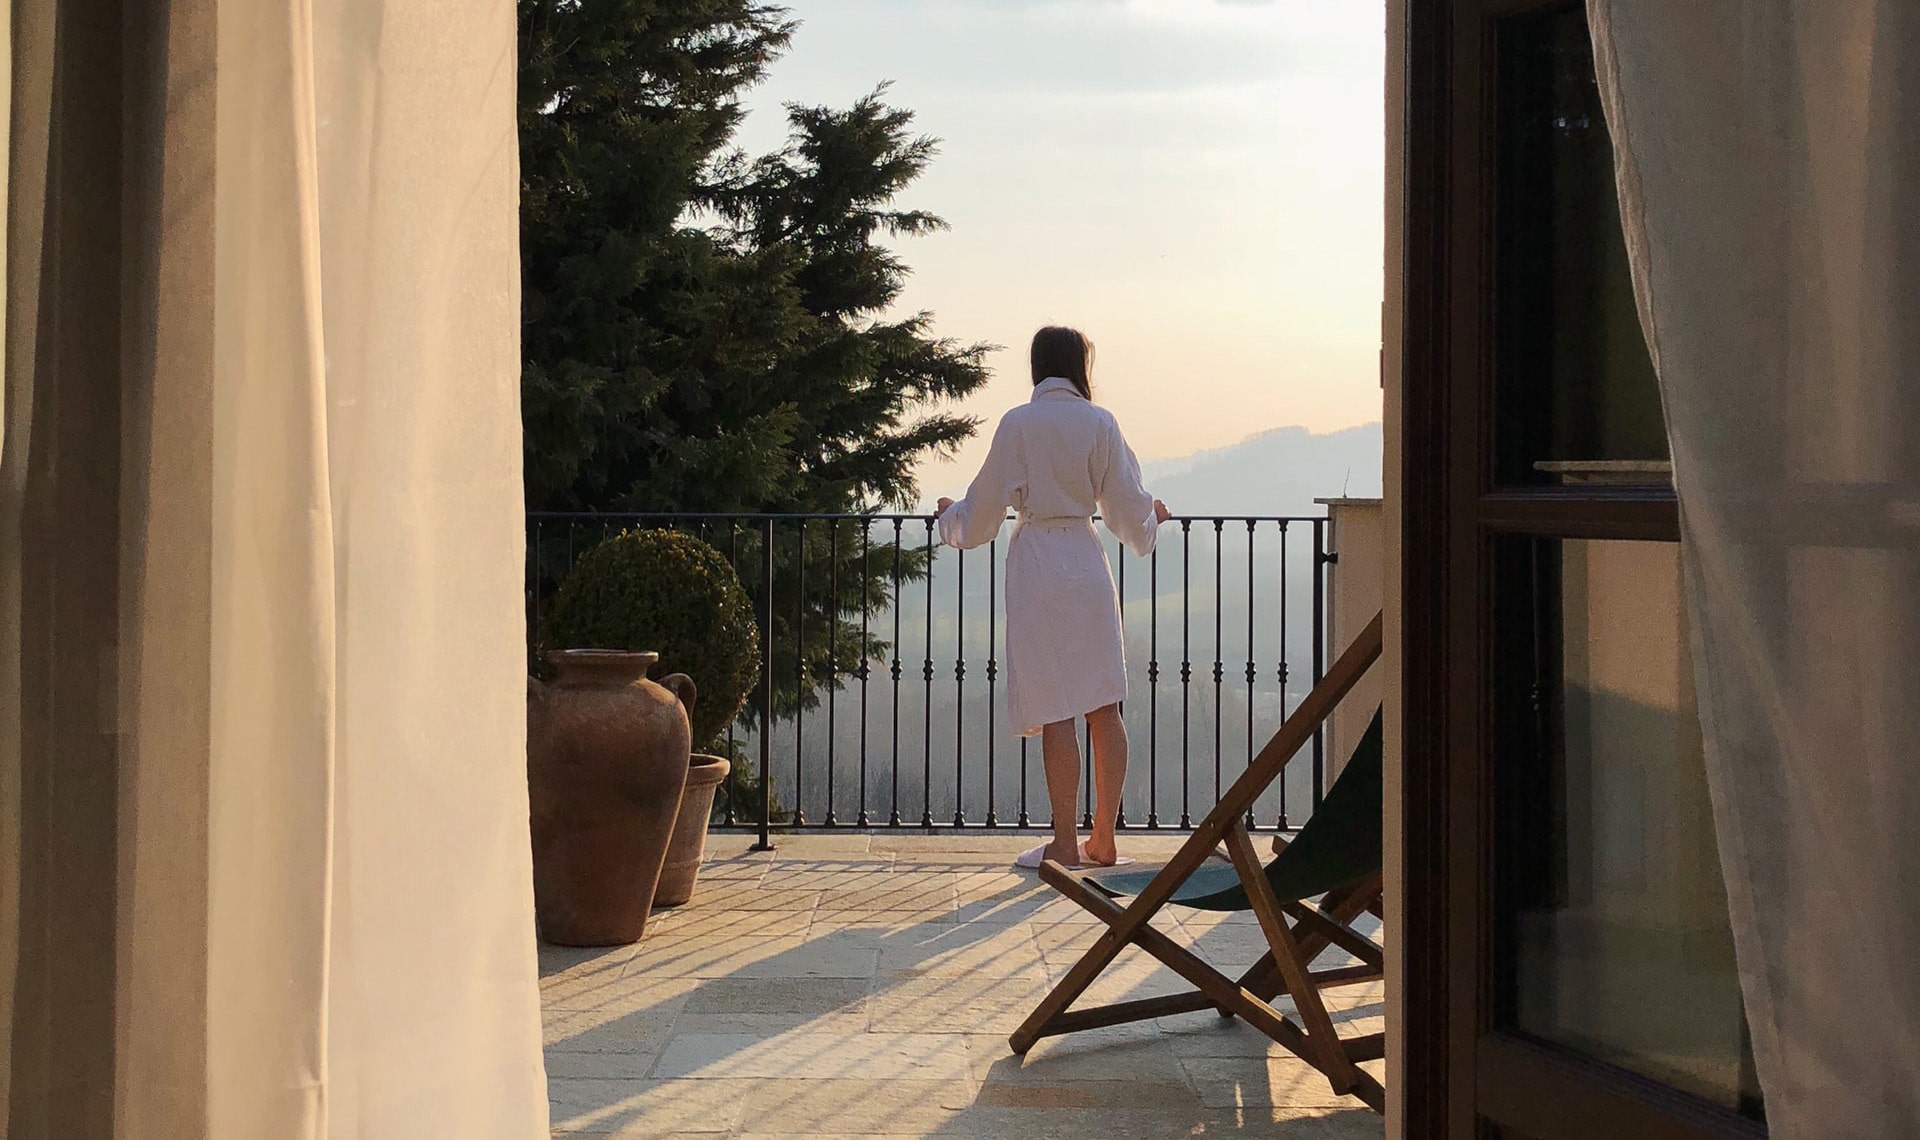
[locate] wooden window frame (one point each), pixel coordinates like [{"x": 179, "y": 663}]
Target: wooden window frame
[{"x": 1463, "y": 1077}]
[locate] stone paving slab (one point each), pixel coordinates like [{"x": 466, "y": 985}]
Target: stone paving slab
[
  {"x": 807, "y": 1055},
  {"x": 908, "y": 892},
  {"x": 855, "y": 1106},
  {"x": 961, "y": 1004},
  {"x": 712, "y": 922},
  {"x": 807, "y": 995},
  {"x": 963, "y": 950},
  {"x": 887, "y": 922},
  {"x": 853, "y": 985},
  {"x": 1277, "y": 1081},
  {"x": 639, "y": 1107}
]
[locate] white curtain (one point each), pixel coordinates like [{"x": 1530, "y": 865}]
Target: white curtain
[
  {"x": 1769, "y": 175},
  {"x": 287, "y": 707}
]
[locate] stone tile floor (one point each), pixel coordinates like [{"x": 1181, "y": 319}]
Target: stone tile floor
[{"x": 864, "y": 986}]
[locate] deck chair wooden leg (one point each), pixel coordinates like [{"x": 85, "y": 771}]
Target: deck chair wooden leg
[
  {"x": 1342, "y": 907},
  {"x": 1269, "y": 988},
  {"x": 1371, "y": 1092},
  {"x": 1124, "y": 1012},
  {"x": 1332, "y": 931},
  {"x": 1209, "y": 981},
  {"x": 1325, "y": 1051},
  {"x": 1083, "y": 974},
  {"x": 1123, "y": 926},
  {"x": 1262, "y": 978}
]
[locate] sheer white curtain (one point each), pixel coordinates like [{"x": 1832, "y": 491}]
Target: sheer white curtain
[
  {"x": 264, "y": 828},
  {"x": 1769, "y": 173}
]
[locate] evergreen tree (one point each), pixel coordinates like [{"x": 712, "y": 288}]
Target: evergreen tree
[
  {"x": 624, "y": 105},
  {"x": 706, "y": 332}
]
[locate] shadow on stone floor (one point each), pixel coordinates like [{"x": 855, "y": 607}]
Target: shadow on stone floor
[{"x": 885, "y": 1014}]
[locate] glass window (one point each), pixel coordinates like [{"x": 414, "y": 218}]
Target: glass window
[
  {"x": 1613, "y": 936},
  {"x": 1576, "y": 395}
]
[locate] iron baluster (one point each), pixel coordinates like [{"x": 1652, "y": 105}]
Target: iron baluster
[
  {"x": 1252, "y": 675},
  {"x": 893, "y": 820},
  {"x": 1219, "y": 668},
  {"x": 1024, "y": 821},
  {"x": 959, "y": 685},
  {"x": 833, "y": 659},
  {"x": 1282, "y": 781},
  {"x": 1186, "y": 670},
  {"x": 926, "y": 737},
  {"x": 733, "y": 756},
  {"x": 866, "y": 655},
  {"x": 993, "y": 672},
  {"x": 800, "y": 676},
  {"x": 766, "y": 688},
  {"x": 1153, "y": 689}
]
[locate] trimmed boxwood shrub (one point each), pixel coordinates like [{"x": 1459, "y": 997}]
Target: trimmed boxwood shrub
[{"x": 661, "y": 591}]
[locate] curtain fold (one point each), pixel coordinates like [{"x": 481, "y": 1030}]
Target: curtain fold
[
  {"x": 264, "y": 866},
  {"x": 1769, "y": 175},
  {"x": 418, "y": 194},
  {"x": 273, "y": 623},
  {"x": 23, "y": 161},
  {"x": 164, "y": 656}
]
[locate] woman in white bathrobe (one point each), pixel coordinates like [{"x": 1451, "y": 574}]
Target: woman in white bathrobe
[{"x": 1056, "y": 461}]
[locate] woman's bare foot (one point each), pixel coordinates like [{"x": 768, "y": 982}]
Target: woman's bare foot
[
  {"x": 1101, "y": 852},
  {"x": 1066, "y": 856}
]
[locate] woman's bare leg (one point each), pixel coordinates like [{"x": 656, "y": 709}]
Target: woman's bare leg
[
  {"x": 1060, "y": 749},
  {"x": 1109, "y": 776}
]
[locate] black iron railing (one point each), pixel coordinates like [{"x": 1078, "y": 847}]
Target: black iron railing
[{"x": 852, "y": 732}]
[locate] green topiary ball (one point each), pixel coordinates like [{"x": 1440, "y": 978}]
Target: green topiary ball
[{"x": 660, "y": 591}]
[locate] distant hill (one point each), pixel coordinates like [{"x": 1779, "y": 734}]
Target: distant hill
[{"x": 1278, "y": 472}]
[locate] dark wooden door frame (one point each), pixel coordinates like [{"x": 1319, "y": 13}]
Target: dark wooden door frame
[
  {"x": 1425, "y": 461},
  {"x": 1461, "y": 1078}
]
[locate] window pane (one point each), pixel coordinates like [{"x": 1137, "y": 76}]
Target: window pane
[
  {"x": 1614, "y": 937},
  {"x": 1576, "y": 398}
]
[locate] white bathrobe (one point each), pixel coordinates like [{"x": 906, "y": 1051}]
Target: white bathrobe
[{"x": 1056, "y": 461}]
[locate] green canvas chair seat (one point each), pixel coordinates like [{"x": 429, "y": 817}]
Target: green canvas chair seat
[
  {"x": 1339, "y": 846},
  {"x": 1335, "y": 861}
]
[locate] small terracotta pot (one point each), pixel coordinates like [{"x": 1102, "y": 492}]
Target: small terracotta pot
[
  {"x": 606, "y": 766},
  {"x": 689, "y": 844}
]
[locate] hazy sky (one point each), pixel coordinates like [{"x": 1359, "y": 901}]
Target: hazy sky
[{"x": 1194, "y": 183}]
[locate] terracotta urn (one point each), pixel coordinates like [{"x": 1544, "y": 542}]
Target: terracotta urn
[
  {"x": 689, "y": 845},
  {"x": 607, "y": 759}
]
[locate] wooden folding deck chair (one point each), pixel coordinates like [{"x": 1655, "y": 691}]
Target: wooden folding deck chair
[{"x": 1336, "y": 857}]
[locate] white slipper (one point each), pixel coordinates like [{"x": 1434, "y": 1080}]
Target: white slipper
[{"x": 1031, "y": 859}]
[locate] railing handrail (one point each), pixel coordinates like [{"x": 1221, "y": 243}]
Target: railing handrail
[{"x": 825, "y": 516}]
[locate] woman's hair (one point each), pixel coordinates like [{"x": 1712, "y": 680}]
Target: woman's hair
[{"x": 1065, "y": 353}]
